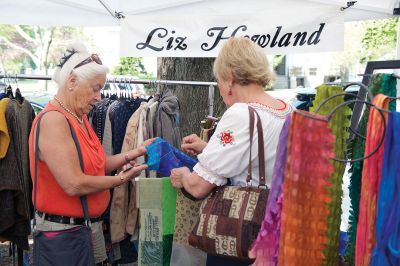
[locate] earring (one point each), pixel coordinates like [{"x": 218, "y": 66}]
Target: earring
[{"x": 230, "y": 92}]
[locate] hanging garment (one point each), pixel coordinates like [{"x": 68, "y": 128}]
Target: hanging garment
[
  {"x": 4, "y": 137},
  {"x": 119, "y": 113},
  {"x": 380, "y": 83},
  {"x": 186, "y": 216},
  {"x": 151, "y": 115},
  {"x": 386, "y": 251},
  {"x": 167, "y": 119},
  {"x": 119, "y": 117},
  {"x": 339, "y": 124},
  {"x": 98, "y": 117},
  {"x": 107, "y": 136},
  {"x": 265, "y": 248},
  {"x": 371, "y": 176},
  {"x": 15, "y": 181},
  {"x": 157, "y": 201},
  {"x": 123, "y": 209},
  {"x": 163, "y": 157},
  {"x": 305, "y": 195}
]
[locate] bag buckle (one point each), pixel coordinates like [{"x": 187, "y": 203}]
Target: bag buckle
[
  {"x": 249, "y": 183},
  {"x": 33, "y": 225},
  {"x": 87, "y": 223}
]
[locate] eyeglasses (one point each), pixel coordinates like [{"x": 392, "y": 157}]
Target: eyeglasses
[{"x": 91, "y": 58}]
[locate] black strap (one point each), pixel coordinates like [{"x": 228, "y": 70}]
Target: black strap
[
  {"x": 261, "y": 155},
  {"x": 36, "y": 149}
]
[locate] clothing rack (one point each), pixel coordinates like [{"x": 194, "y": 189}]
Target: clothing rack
[
  {"x": 362, "y": 93},
  {"x": 127, "y": 80}
]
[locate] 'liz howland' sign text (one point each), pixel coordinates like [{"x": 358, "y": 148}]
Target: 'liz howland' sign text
[{"x": 152, "y": 38}]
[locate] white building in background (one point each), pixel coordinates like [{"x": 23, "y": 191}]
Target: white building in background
[{"x": 306, "y": 70}]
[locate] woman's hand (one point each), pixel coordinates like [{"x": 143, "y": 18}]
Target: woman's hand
[
  {"x": 131, "y": 170},
  {"x": 193, "y": 145},
  {"x": 177, "y": 175},
  {"x": 139, "y": 151},
  {"x": 148, "y": 142}
]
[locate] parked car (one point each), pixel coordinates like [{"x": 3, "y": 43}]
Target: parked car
[
  {"x": 38, "y": 100},
  {"x": 302, "y": 98}
]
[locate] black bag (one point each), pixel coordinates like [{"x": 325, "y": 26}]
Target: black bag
[{"x": 66, "y": 247}]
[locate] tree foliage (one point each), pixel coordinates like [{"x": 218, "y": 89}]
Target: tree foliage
[
  {"x": 363, "y": 42},
  {"x": 133, "y": 66},
  {"x": 380, "y": 38},
  {"x": 380, "y": 33},
  {"x": 33, "y": 47}
]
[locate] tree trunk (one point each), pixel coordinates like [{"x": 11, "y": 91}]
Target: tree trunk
[{"x": 193, "y": 100}]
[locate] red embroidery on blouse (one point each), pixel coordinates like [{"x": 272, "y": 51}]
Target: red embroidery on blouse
[{"x": 226, "y": 137}]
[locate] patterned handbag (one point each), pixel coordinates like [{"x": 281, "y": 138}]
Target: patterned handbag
[{"x": 231, "y": 216}]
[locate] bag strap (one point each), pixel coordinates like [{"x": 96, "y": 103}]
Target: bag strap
[
  {"x": 261, "y": 155},
  {"x": 36, "y": 148}
]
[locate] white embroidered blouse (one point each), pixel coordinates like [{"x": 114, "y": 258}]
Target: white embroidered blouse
[{"x": 227, "y": 152}]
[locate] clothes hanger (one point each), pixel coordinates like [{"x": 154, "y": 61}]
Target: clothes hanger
[
  {"x": 334, "y": 110},
  {"x": 18, "y": 95},
  {"x": 9, "y": 92},
  {"x": 113, "y": 92}
]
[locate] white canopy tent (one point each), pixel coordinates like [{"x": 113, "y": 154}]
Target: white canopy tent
[
  {"x": 195, "y": 17},
  {"x": 93, "y": 13}
]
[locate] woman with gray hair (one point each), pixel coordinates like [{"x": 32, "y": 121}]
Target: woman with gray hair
[{"x": 61, "y": 181}]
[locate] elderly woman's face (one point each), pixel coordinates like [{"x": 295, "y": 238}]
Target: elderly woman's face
[{"x": 88, "y": 93}]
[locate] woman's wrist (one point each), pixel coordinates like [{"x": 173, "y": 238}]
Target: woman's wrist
[
  {"x": 127, "y": 158},
  {"x": 121, "y": 179}
]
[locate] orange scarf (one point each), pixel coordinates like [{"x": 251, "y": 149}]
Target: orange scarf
[{"x": 371, "y": 175}]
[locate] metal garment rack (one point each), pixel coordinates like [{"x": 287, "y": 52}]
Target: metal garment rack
[
  {"x": 362, "y": 93},
  {"x": 127, "y": 80}
]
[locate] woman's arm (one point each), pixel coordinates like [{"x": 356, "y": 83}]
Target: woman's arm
[
  {"x": 62, "y": 159},
  {"x": 113, "y": 162},
  {"x": 192, "y": 182}
]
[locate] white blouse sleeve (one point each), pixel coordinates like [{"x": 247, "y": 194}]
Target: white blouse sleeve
[{"x": 227, "y": 152}]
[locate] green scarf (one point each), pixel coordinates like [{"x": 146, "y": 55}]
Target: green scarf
[{"x": 339, "y": 124}]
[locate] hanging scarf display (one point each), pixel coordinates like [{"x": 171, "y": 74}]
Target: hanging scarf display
[
  {"x": 265, "y": 248},
  {"x": 305, "y": 195},
  {"x": 371, "y": 174},
  {"x": 386, "y": 251},
  {"x": 339, "y": 124},
  {"x": 380, "y": 83}
]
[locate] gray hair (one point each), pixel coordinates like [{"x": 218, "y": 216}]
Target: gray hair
[{"x": 75, "y": 54}]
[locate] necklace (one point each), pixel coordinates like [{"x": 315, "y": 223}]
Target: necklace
[{"x": 80, "y": 120}]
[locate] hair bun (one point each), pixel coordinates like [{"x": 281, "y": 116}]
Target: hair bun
[{"x": 78, "y": 47}]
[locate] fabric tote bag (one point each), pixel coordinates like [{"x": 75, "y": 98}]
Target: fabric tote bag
[
  {"x": 231, "y": 216},
  {"x": 66, "y": 247}
]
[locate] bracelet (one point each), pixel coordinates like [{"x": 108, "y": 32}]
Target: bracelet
[
  {"x": 122, "y": 178},
  {"x": 127, "y": 160}
]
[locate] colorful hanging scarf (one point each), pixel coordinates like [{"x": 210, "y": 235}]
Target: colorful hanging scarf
[
  {"x": 387, "y": 249},
  {"x": 163, "y": 157},
  {"x": 339, "y": 124},
  {"x": 305, "y": 195},
  {"x": 371, "y": 175},
  {"x": 380, "y": 83},
  {"x": 265, "y": 248}
]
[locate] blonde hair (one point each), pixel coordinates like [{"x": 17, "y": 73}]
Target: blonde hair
[
  {"x": 245, "y": 60},
  {"x": 75, "y": 53}
]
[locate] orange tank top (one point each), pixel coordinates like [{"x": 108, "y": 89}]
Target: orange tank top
[{"x": 51, "y": 198}]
